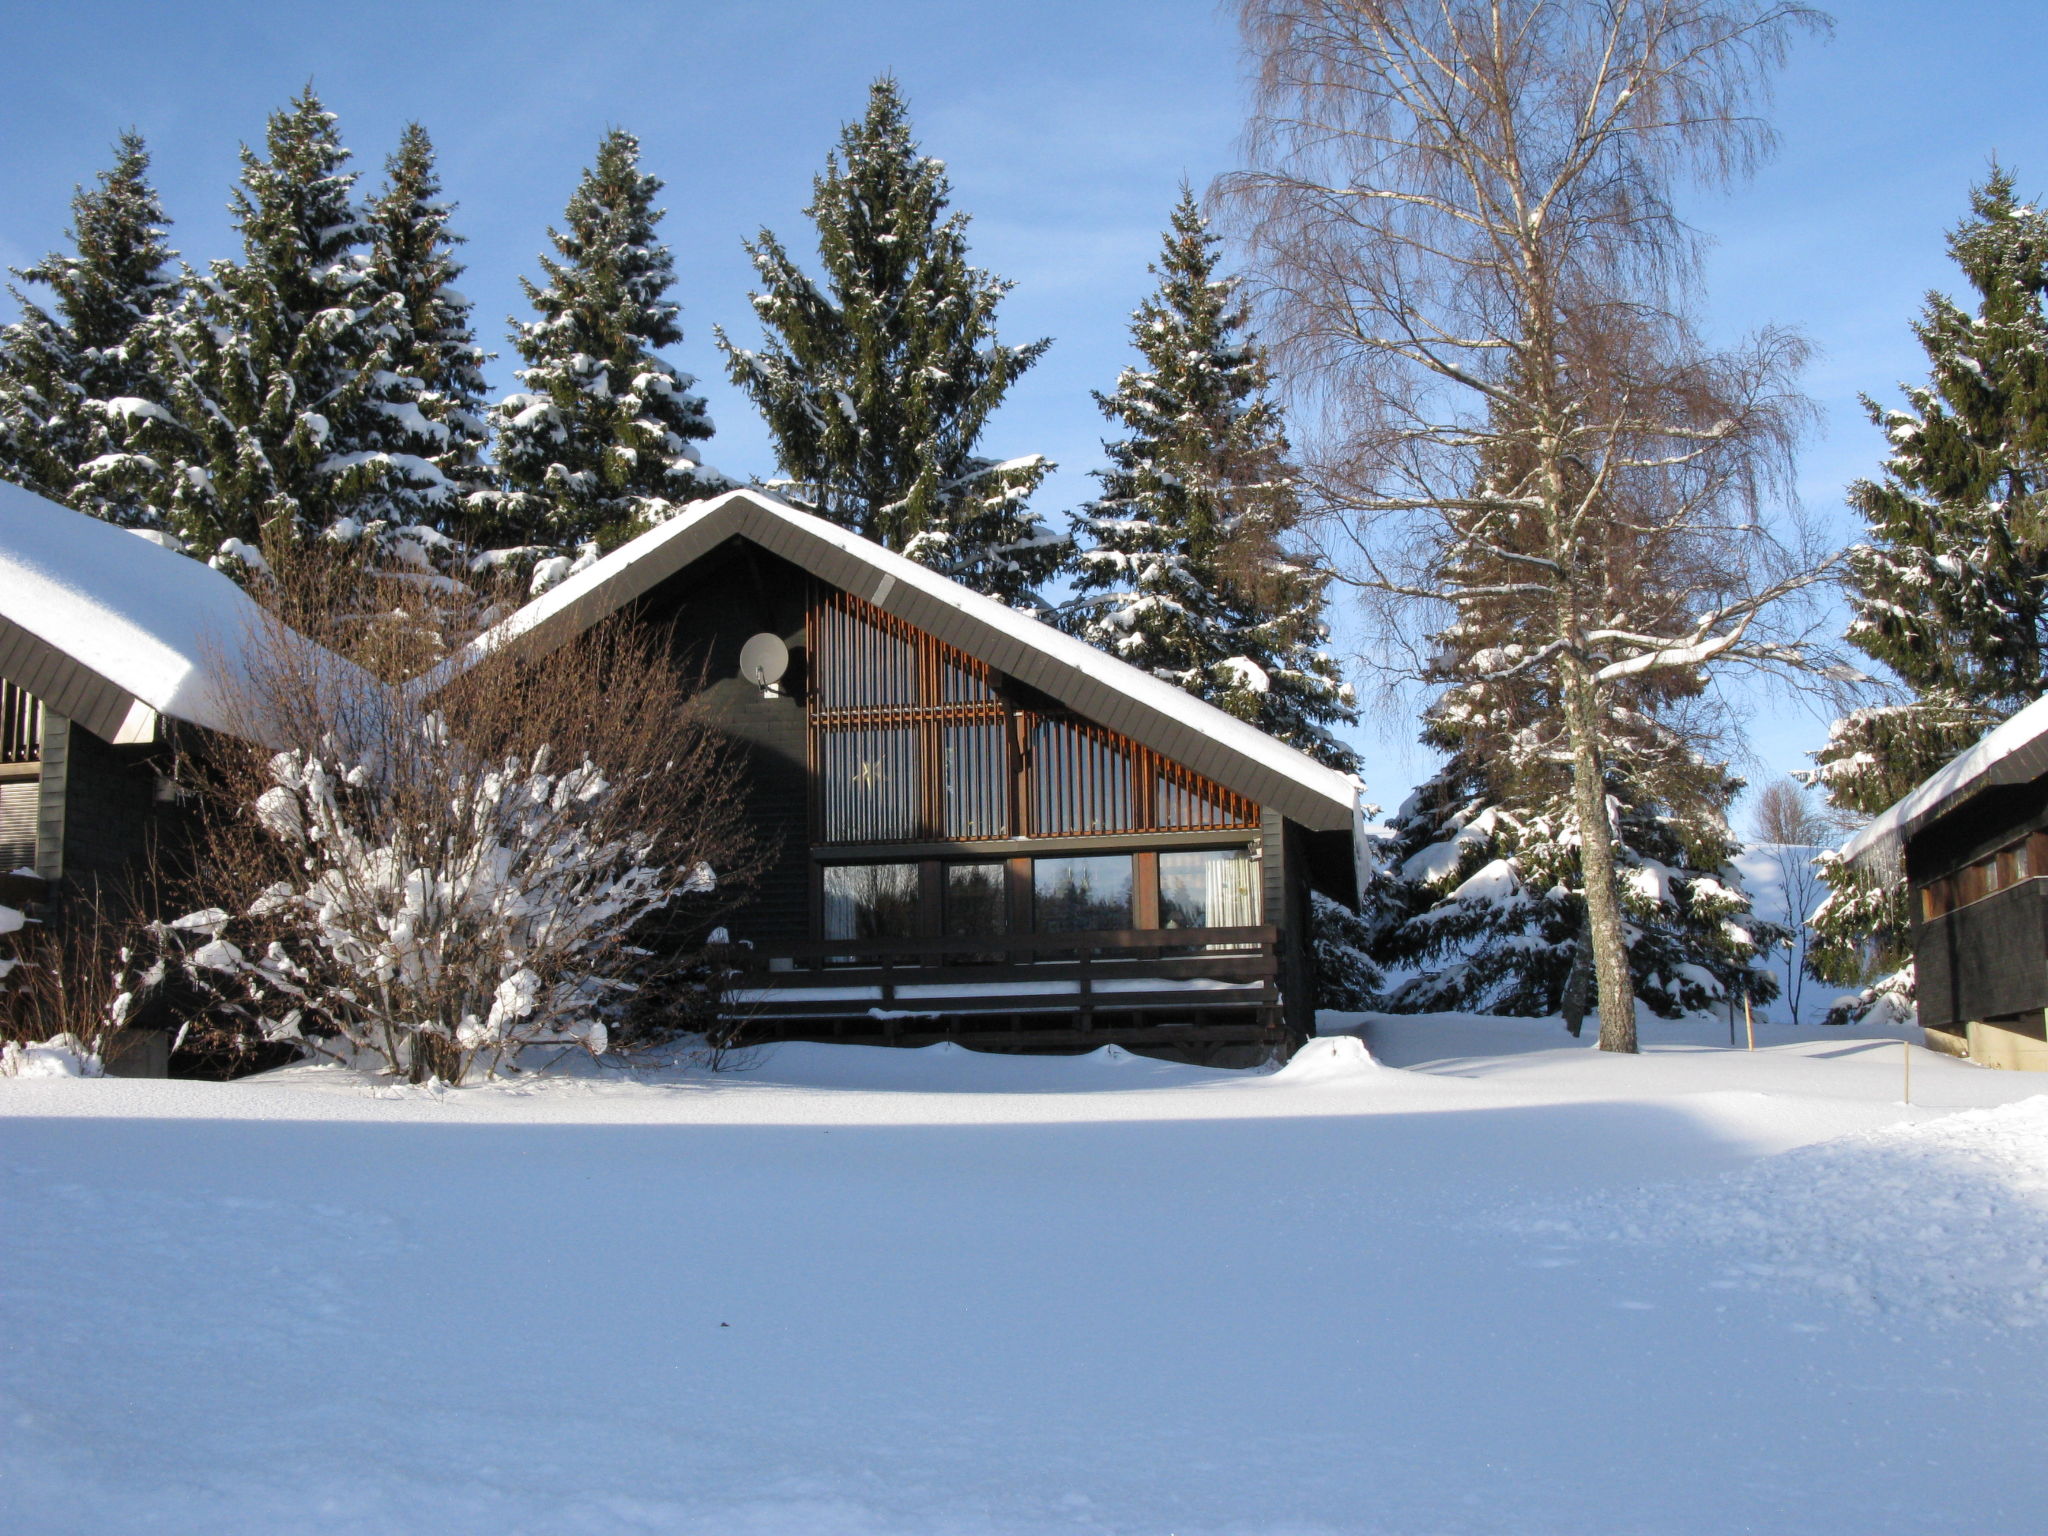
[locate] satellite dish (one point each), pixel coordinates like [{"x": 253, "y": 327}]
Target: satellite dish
[{"x": 763, "y": 660}]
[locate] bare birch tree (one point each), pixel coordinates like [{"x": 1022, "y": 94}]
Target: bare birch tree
[
  {"x": 1793, "y": 833},
  {"x": 1460, "y": 214}
]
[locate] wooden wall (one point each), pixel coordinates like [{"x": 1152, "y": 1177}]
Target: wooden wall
[
  {"x": 712, "y": 608},
  {"x": 1989, "y": 958}
]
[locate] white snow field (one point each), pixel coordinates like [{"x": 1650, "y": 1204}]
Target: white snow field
[{"x": 1492, "y": 1281}]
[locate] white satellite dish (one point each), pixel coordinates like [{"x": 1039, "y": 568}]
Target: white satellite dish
[{"x": 763, "y": 660}]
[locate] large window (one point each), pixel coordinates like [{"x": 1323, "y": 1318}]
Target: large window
[
  {"x": 912, "y": 740},
  {"x": 1209, "y": 888},
  {"x": 977, "y": 900},
  {"x": 871, "y": 901},
  {"x": 1081, "y": 895},
  {"x": 909, "y": 736}
]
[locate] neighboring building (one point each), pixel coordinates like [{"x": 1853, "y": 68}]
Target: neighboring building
[
  {"x": 115, "y": 653},
  {"x": 1972, "y": 844},
  {"x": 986, "y": 829}
]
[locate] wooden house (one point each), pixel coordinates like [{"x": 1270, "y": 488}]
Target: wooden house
[
  {"x": 108, "y": 646},
  {"x": 116, "y": 653},
  {"x": 1971, "y": 844},
  {"x": 985, "y": 829}
]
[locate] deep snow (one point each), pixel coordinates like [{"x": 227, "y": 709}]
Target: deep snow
[{"x": 1489, "y": 1282}]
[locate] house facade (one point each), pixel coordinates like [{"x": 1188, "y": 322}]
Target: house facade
[
  {"x": 982, "y": 829},
  {"x": 1971, "y": 845}
]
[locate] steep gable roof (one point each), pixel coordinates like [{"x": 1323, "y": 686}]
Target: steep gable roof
[
  {"x": 108, "y": 628},
  {"x": 2014, "y": 752},
  {"x": 1090, "y": 682}
]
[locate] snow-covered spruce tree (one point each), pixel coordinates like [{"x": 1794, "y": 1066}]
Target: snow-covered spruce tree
[
  {"x": 1347, "y": 977},
  {"x": 1187, "y": 571},
  {"x": 412, "y": 256},
  {"x": 1951, "y": 590},
  {"x": 877, "y": 383},
  {"x": 1482, "y": 902},
  {"x": 75, "y": 385},
  {"x": 599, "y": 442},
  {"x": 278, "y": 367}
]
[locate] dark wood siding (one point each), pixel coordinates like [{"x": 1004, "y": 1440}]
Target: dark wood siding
[
  {"x": 1986, "y": 960},
  {"x": 1985, "y": 822},
  {"x": 712, "y": 608}
]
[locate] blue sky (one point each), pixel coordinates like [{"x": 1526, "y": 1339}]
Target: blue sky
[{"x": 1067, "y": 128}]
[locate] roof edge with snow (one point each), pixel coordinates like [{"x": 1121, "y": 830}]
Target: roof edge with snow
[
  {"x": 1092, "y": 683},
  {"x": 2015, "y": 752},
  {"x": 112, "y": 630}
]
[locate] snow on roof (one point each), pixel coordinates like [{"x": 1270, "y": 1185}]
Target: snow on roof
[
  {"x": 160, "y": 627},
  {"x": 1880, "y": 844},
  {"x": 596, "y": 591}
]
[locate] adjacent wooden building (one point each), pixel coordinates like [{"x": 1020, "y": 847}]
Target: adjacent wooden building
[
  {"x": 1972, "y": 846},
  {"x": 111, "y": 648},
  {"x": 985, "y": 829}
]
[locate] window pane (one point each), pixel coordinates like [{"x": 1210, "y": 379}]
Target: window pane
[
  {"x": 1081, "y": 780},
  {"x": 1075, "y": 895},
  {"x": 975, "y": 905},
  {"x": 862, "y": 665},
  {"x": 871, "y": 901},
  {"x": 976, "y": 788},
  {"x": 1212, "y": 888},
  {"x": 869, "y": 784}
]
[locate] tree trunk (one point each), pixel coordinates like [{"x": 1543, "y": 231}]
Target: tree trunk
[
  {"x": 1596, "y": 861},
  {"x": 1578, "y": 981}
]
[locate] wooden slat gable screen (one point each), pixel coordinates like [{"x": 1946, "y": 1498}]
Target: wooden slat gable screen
[
  {"x": 913, "y": 740},
  {"x": 21, "y": 725}
]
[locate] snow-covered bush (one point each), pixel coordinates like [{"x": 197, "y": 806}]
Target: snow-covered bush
[{"x": 526, "y": 858}]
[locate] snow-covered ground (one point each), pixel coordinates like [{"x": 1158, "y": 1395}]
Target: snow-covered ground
[{"x": 1489, "y": 1282}]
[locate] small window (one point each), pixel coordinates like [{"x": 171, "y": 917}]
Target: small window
[
  {"x": 871, "y": 901},
  {"x": 1211, "y": 888},
  {"x": 976, "y": 900},
  {"x": 1082, "y": 895}
]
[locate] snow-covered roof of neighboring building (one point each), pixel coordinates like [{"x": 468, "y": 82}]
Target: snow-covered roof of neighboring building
[
  {"x": 110, "y": 628},
  {"x": 2016, "y": 752},
  {"x": 1092, "y": 683}
]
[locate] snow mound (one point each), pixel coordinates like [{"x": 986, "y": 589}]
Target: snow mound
[
  {"x": 59, "y": 1056},
  {"x": 1947, "y": 1216},
  {"x": 1333, "y": 1058}
]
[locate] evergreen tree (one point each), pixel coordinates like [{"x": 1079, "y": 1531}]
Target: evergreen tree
[
  {"x": 1347, "y": 979},
  {"x": 279, "y": 368},
  {"x": 440, "y": 430},
  {"x": 598, "y": 444},
  {"x": 877, "y": 384},
  {"x": 1482, "y": 901},
  {"x": 75, "y": 386},
  {"x": 1951, "y": 590},
  {"x": 1188, "y": 574}
]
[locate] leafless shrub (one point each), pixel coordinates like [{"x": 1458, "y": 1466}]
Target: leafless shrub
[{"x": 532, "y": 855}]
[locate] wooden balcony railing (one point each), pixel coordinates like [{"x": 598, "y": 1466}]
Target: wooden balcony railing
[{"x": 1122, "y": 970}]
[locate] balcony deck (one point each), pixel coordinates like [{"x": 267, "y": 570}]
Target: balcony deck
[{"x": 1184, "y": 986}]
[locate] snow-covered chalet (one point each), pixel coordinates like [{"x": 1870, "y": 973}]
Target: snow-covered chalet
[
  {"x": 988, "y": 830},
  {"x": 1971, "y": 843}
]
